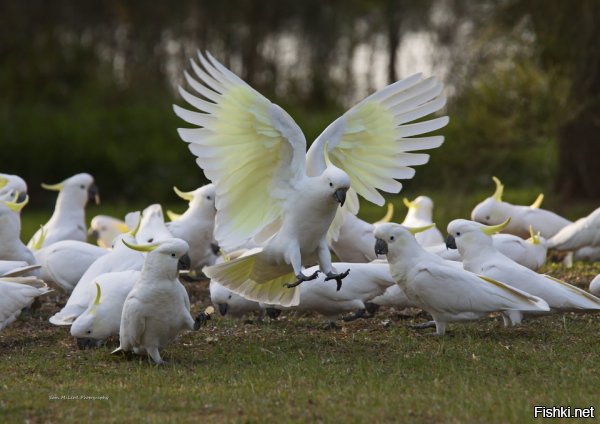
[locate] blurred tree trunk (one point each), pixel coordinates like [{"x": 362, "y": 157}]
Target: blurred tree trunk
[{"x": 393, "y": 36}]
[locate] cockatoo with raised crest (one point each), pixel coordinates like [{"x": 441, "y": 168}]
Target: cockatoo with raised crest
[{"x": 270, "y": 190}]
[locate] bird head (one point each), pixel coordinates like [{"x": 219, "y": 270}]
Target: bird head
[
  {"x": 79, "y": 188},
  {"x": 493, "y": 210},
  {"x": 394, "y": 240},
  {"x": 421, "y": 207},
  {"x": 464, "y": 234},
  {"x": 165, "y": 257}
]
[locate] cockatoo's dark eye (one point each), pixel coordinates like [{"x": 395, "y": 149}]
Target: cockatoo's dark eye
[
  {"x": 487, "y": 218},
  {"x": 150, "y": 240},
  {"x": 458, "y": 234},
  {"x": 330, "y": 184},
  {"x": 103, "y": 228},
  {"x": 89, "y": 332},
  {"x": 392, "y": 238},
  {"x": 82, "y": 187},
  {"x": 172, "y": 255},
  {"x": 229, "y": 297},
  {"x": 208, "y": 197}
]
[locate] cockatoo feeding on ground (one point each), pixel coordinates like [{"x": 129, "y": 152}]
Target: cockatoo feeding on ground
[
  {"x": 104, "y": 229},
  {"x": 447, "y": 292},
  {"x": 269, "y": 189}
]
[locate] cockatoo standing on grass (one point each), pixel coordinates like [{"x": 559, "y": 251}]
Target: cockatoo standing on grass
[
  {"x": 269, "y": 189},
  {"x": 494, "y": 211},
  {"x": 447, "y": 292},
  {"x": 474, "y": 242},
  {"x": 157, "y": 308},
  {"x": 68, "y": 220}
]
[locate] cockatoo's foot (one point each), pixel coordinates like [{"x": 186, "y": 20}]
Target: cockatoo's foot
[
  {"x": 201, "y": 319},
  {"x": 337, "y": 277},
  {"x": 423, "y": 326},
  {"x": 302, "y": 278},
  {"x": 273, "y": 313}
]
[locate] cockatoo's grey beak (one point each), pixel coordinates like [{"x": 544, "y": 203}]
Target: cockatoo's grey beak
[
  {"x": 93, "y": 193},
  {"x": 93, "y": 234},
  {"x": 381, "y": 247},
  {"x": 223, "y": 308},
  {"x": 21, "y": 197},
  {"x": 184, "y": 263},
  {"x": 340, "y": 195},
  {"x": 450, "y": 242}
]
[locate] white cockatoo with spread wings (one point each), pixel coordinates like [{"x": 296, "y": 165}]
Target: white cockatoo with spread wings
[{"x": 271, "y": 191}]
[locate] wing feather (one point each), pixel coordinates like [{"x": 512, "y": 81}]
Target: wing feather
[
  {"x": 370, "y": 142},
  {"x": 248, "y": 147}
]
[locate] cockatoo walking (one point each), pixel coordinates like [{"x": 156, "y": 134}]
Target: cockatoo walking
[
  {"x": 447, "y": 292},
  {"x": 479, "y": 256},
  {"x": 196, "y": 226},
  {"x": 68, "y": 220},
  {"x": 269, "y": 189},
  {"x": 494, "y": 211},
  {"x": 157, "y": 308}
]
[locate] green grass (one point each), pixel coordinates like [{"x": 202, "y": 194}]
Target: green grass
[{"x": 292, "y": 370}]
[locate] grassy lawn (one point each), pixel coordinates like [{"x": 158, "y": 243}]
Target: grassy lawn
[{"x": 292, "y": 370}]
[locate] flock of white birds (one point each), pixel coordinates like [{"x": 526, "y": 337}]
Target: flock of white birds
[{"x": 264, "y": 229}]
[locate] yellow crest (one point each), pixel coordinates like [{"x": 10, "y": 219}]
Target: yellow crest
[{"x": 493, "y": 229}]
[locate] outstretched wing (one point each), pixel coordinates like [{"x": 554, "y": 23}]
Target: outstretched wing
[
  {"x": 372, "y": 141},
  {"x": 250, "y": 148}
]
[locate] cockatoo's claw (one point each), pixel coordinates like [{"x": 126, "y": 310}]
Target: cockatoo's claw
[
  {"x": 300, "y": 278},
  {"x": 371, "y": 308},
  {"x": 201, "y": 320},
  {"x": 361, "y": 313},
  {"x": 337, "y": 277}
]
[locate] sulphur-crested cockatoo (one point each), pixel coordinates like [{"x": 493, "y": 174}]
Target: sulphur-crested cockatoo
[
  {"x": 17, "y": 293},
  {"x": 196, "y": 226},
  {"x": 12, "y": 188},
  {"x": 11, "y": 246},
  {"x": 120, "y": 258},
  {"x": 68, "y": 220},
  {"x": 530, "y": 253},
  {"x": 104, "y": 229},
  {"x": 157, "y": 308},
  {"x": 444, "y": 290},
  {"x": 64, "y": 262},
  {"x": 354, "y": 242},
  {"x": 494, "y": 211},
  {"x": 420, "y": 214},
  {"x": 582, "y": 233},
  {"x": 269, "y": 189},
  {"x": 481, "y": 257},
  {"x": 102, "y": 317}
]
